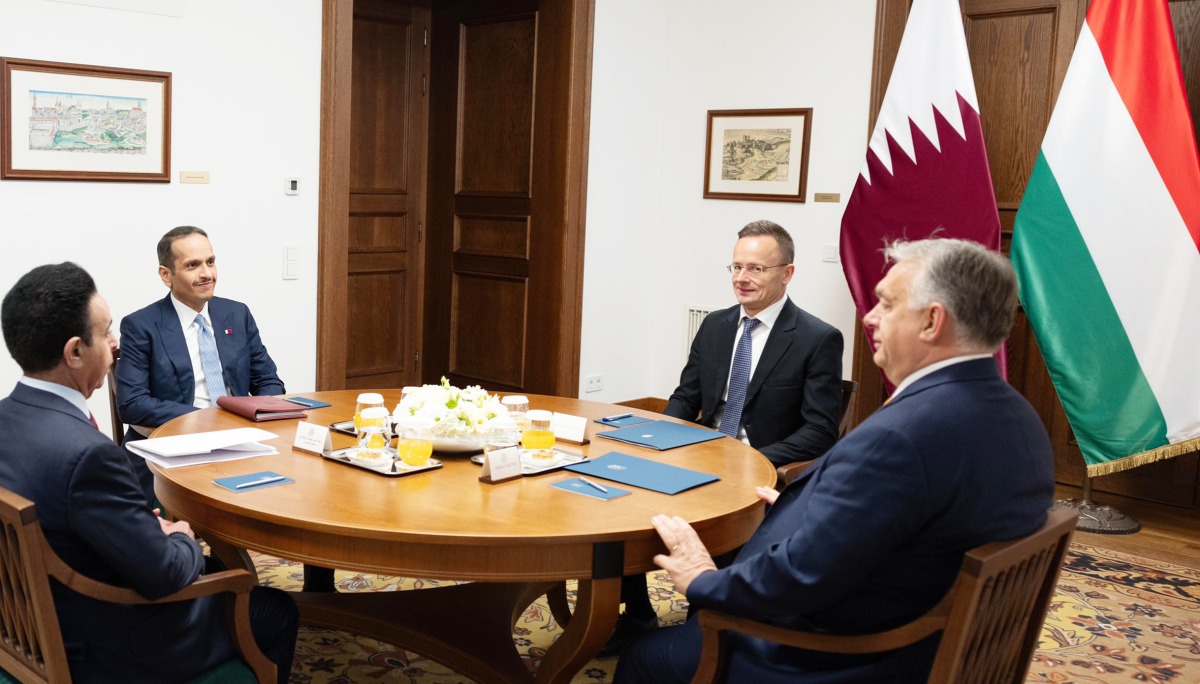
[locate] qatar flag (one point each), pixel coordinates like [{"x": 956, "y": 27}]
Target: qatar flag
[{"x": 926, "y": 169}]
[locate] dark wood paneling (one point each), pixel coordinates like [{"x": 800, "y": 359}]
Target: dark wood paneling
[
  {"x": 378, "y": 233},
  {"x": 383, "y": 71},
  {"x": 374, "y": 343},
  {"x": 488, "y": 323},
  {"x": 496, "y": 133},
  {"x": 507, "y": 237},
  {"x": 1185, "y": 15},
  {"x": 507, "y": 205}
]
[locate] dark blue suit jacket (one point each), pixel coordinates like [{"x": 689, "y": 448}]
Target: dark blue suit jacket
[
  {"x": 154, "y": 376},
  {"x": 95, "y": 517},
  {"x": 874, "y": 536},
  {"x": 793, "y": 402}
]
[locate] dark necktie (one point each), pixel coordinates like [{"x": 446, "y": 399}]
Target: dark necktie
[
  {"x": 739, "y": 379},
  {"x": 210, "y": 361}
]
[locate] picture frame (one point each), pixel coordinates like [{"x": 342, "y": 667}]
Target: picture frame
[
  {"x": 757, "y": 154},
  {"x": 78, "y": 122}
]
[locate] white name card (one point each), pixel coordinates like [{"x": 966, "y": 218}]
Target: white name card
[
  {"x": 312, "y": 438},
  {"x": 569, "y": 428},
  {"x": 501, "y": 464}
]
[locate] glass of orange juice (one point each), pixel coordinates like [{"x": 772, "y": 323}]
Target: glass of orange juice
[
  {"x": 366, "y": 400},
  {"x": 538, "y": 436},
  {"x": 414, "y": 448}
]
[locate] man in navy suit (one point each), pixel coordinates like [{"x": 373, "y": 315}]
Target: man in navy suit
[
  {"x": 873, "y": 535},
  {"x": 92, "y": 509},
  {"x": 787, "y": 401},
  {"x": 161, "y": 372},
  {"x": 792, "y": 403}
]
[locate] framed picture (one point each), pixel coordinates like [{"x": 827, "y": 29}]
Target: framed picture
[
  {"x": 81, "y": 122},
  {"x": 757, "y": 154}
]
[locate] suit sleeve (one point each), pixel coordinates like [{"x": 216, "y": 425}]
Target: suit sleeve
[
  {"x": 136, "y": 403},
  {"x": 264, "y": 378},
  {"x": 861, "y": 507},
  {"x": 821, "y": 410},
  {"x": 685, "y": 403},
  {"x": 107, "y": 507}
]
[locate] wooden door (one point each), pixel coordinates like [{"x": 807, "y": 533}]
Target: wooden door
[
  {"x": 1019, "y": 54},
  {"x": 507, "y": 174},
  {"x": 371, "y": 237}
]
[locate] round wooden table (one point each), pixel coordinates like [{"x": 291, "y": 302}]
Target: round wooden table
[{"x": 515, "y": 539}]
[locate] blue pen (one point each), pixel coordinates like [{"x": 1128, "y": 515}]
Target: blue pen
[
  {"x": 613, "y": 419},
  {"x": 263, "y": 481}
]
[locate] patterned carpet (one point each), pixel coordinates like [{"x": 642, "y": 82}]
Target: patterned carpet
[{"x": 1114, "y": 618}]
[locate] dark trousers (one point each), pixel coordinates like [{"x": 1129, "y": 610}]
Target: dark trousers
[{"x": 274, "y": 620}]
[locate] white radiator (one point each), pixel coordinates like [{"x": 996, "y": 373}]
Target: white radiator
[{"x": 695, "y": 315}]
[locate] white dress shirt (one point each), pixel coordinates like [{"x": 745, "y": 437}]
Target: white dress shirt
[
  {"x": 758, "y": 341},
  {"x": 926, "y": 370},
  {"x": 77, "y": 400},
  {"x": 191, "y": 333}
]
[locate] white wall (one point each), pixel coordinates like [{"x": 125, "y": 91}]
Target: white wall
[
  {"x": 246, "y": 109},
  {"x": 654, "y": 245}
]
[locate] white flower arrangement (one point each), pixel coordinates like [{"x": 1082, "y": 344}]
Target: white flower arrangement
[{"x": 448, "y": 411}]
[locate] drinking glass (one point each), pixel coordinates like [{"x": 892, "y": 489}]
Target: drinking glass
[
  {"x": 538, "y": 435},
  {"x": 366, "y": 400},
  {"x": 414, "y": 447},
  {"x": 503, "y": 435},
  {"x": 518, "y": 407},
  {"x": 373, "y": 431}
]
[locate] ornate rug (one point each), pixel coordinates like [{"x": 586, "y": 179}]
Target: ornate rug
[{"x": 1114, "y": 618}]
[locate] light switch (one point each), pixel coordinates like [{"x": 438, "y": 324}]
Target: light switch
[{"x": 291, "y": 261}]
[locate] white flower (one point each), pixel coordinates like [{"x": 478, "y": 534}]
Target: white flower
[{"x": 449, "y": 411}]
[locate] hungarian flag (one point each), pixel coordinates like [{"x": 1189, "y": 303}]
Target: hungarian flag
[
  {"x": 1105, "y": 242},
  {"x": 926, "y": 170}
]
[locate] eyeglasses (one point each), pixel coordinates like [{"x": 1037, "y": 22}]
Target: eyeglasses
[{"x": 752, "y": 269}]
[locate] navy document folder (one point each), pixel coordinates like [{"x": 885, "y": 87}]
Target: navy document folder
[
  {"x": 640, "y": 472},
  {"x": 662, "y": 435}
]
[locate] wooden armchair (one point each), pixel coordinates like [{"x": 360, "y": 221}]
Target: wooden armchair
[
  {"x": 990, "y": 619},
  {"x": 31, "y": 645},
  {"x": 118, "y": 427},
  {"x": 786, "y": 474}
]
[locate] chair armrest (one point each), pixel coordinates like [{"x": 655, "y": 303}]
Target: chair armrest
[
  {"x": 787, "y": 474},
  {"x": 910, "y": 633},
  {"x": 231, "y": 581}
]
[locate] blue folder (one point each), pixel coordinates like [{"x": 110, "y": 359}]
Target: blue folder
[
  {"x": 639, "y": 472},
  {"x": 662, "y": 435}
]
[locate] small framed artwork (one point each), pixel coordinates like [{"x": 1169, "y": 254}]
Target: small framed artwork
[
  {"x": 80, "y": 122},
  {"x": 757, "y": 154}
]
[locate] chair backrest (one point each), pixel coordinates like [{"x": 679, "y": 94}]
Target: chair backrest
[
  {"x": 118, "y": 427},
  {"x": 31, "y": 645},
  {"x": 849, "y": 390},
  {"x": 999, "y": 603}
]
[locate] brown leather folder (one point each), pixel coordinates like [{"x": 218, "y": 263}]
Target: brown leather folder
[{"x": 259, "y": 409}]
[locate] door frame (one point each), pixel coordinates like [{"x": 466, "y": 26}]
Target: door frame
[{"x": 337, "y": 23}]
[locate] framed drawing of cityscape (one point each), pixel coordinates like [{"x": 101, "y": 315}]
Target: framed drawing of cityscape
[
  {"x": 757, "y": 154},
  {"x": 81, "y": 122}
]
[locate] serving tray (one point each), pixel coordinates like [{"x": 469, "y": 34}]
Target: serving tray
[
  {"x": 343, "y": 456},
  {"x": 567, "y": 459}
]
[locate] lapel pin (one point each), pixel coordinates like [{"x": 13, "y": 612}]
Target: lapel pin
[{"x": 228, "y": 331}]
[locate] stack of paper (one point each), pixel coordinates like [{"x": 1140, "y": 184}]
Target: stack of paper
[{"x": 203, "y": 447}]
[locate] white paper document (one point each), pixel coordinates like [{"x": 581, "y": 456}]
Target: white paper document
[{"x": 204, "y": 447}]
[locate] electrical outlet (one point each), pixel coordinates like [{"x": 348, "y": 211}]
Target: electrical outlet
[{"x": 593, "y": 383}]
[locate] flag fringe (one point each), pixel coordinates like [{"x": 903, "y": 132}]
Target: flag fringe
[{"x": 1154, "y": 455}]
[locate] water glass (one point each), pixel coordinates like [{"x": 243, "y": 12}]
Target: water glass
[
  {"x": 518, "y": 408},
  {"x": 373, "y": 431},
  {"x": 366, "y": 400}
]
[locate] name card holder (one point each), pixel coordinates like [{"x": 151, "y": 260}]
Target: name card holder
[
  {"x": 313, "y": 439},
  {"x": 501, "y": 465},
  {"x": 570, "y": 429}
]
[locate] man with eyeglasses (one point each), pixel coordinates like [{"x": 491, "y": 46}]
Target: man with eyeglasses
[
  {"x": 784, "y": 398},
  {"x": 764, "y": 371}
]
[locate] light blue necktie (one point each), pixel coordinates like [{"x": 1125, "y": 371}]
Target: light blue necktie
[
  {"x": 210, "y": 361},
  {"x": 739, "y": 379}
]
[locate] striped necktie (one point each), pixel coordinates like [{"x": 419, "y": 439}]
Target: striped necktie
[
  {"x": 210, "y": 361},
  {"x": 739, "y": 379}
]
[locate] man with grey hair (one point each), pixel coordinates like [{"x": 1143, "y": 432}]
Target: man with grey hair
[{"x": 872, "y": 536}]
